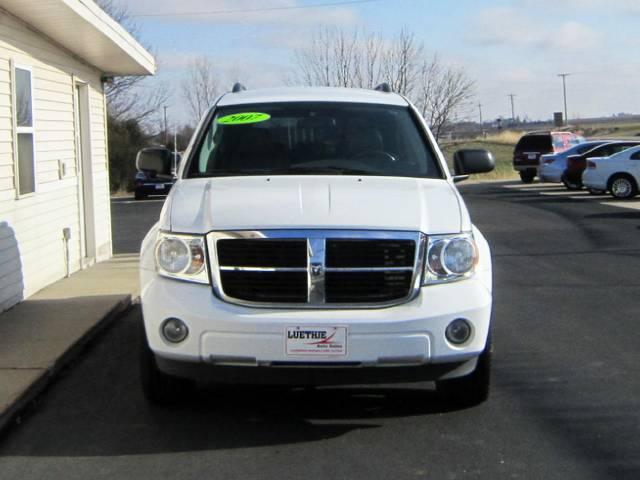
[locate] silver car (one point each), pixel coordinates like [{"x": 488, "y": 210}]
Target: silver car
[{"x": 553, "y": 165}]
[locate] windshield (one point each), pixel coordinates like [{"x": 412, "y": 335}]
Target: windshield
[{"x": 313, "y": 138}]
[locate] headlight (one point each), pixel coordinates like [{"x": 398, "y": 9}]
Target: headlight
[
  {"x": 449, "y": 258},
  {"x": 182, "y": 257}
]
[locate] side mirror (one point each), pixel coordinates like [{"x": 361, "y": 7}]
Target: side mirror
[
  {"x": 155, "y": 160},
  {"x": 467, "y": 162}
]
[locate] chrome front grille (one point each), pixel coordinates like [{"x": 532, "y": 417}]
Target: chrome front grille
[{"x": 316, "y": 268}]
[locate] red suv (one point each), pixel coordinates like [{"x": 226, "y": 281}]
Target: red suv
[{"x": 531, "y": 146}]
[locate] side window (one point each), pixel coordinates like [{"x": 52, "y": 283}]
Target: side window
[
  {"x": 24, "y": 149},
  {"x": 206, "y": 150},
  {"x": 600, "y": 152},
  {"x": 618, "y": 149},
  {"x": 582, "y": 150},
  {"x": 558, "y": 143},
  {"x": 635, "y": 156}
]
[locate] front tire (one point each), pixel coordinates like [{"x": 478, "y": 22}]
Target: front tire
[
  {"x": 527, "y": 176},
  {"x": 623, "y": 186},
  {"x": 472, "y": 389},
  {"x": 158, "y": 387}
]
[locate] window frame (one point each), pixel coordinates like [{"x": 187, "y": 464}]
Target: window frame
[{"x": 22, "y": 130}]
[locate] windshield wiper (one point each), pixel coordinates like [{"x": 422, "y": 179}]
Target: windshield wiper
[
  {"x": 327, "y": 169},
  {"x": 283, "y": 171},
  {"x": 229, "y": 173}
]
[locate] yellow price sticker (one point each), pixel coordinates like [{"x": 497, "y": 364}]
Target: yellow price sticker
[{"x": 243, "y": 118}]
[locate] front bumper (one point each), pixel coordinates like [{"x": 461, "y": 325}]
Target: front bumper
[{"x": 404, "y": 336}]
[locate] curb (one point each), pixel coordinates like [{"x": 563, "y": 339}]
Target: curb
[{"x": 12, "y": 413}]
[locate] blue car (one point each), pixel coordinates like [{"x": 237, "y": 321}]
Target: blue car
[{"x": 553, "y": 165}]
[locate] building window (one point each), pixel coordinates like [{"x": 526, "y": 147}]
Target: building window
[{"x": 23, "y": 118}]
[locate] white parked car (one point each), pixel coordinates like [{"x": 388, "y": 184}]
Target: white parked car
[
  {"x": 315, "y": 236},
  {"x": 553, "y": 165},
  {"x": 618, "y": 174}
]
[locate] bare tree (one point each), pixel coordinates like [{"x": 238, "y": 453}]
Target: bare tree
[
  {"x": 444, "y": 92},
  {"x": 200, "y": 86},
  {"x": 128, "y": 97},
  {"x": 400, "y": 63},
  {"x": 315, "y": 62},
  {"x": 334, "y": 58},
  {"x": 371, "y": 59},
  {"x": 358, "y": 59}
]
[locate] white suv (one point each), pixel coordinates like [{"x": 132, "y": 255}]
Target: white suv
[{"x": 315, "y": 236}]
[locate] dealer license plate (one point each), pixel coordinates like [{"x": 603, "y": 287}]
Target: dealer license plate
[{"x": 316, "y": 341}]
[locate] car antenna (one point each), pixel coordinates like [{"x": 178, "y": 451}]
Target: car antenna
[
  {"x": 383, "y": 87},
  {"x": 238, "y": 87}
]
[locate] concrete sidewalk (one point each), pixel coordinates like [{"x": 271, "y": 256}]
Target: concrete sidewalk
[{"x": 40, "y": 335}]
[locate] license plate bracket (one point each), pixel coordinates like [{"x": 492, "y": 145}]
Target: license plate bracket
[{"x": 314, "y": 341}]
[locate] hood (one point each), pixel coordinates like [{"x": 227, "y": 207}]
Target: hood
[{"x": 299, "y": 202}]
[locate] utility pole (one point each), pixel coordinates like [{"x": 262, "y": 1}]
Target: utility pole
[
  {"x": 166, "y": 132},
  {"x": 564, "y": 92},
  {"x": 513, "y": 110},
  {"x": 175, "y": 150},
  {"x": 481, "y": 122}
]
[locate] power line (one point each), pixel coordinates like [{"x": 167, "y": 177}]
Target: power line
[{"x": 255, "y": 10}]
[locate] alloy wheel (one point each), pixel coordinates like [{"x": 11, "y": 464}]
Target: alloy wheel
[{"x": 621, "y": 187}]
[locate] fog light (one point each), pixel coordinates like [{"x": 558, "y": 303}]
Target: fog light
[
  {"x": 458, "y": 331},
  {"x": 174, "y": 330}
]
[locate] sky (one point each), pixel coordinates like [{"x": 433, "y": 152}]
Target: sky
[{"x": 506, "y": 46}]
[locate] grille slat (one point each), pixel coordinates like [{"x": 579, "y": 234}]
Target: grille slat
[
  {"x": 370, "y": 253},
  {"x": 354, "y": 268},
  {"x": 287, "y": 287},
  {"x": 346, "y": 287},
  {"x": 262, "y": 253}
]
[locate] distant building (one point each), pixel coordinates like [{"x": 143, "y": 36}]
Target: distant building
[{"x": 54, "y": 178}]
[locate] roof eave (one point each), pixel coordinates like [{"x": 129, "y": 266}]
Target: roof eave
[{"x": 86, "y": 31}]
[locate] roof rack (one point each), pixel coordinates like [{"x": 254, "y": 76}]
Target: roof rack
[
  {"x": 383, "y": 87},
  {"x": 238, "y": 87}
]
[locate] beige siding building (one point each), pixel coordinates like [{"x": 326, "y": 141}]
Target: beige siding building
[{"x": 55, "y": 56}]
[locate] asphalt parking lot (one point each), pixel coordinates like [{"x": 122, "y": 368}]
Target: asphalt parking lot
[{"x": 566, "y": 385}]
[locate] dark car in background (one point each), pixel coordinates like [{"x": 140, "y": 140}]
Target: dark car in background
[
  {"x": 149, "y": 183},
  {"x": 577, "y": 164},
  {"x": 526, "y": 155}
]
